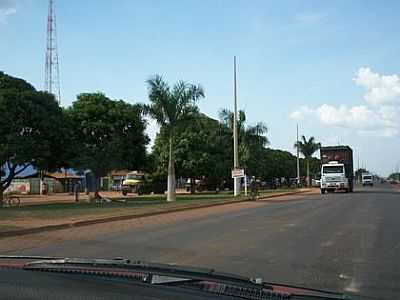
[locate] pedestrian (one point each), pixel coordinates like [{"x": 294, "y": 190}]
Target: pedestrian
[
  {"x": 44, "y": 188},
  {"x": 253, "y": 188},
  {"x": 77, "y": 189}
]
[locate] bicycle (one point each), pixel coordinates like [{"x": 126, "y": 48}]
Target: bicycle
[{"x": 10, "y": 201}]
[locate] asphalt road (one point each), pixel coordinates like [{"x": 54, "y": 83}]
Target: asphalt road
[{"x": 342, "y": 242}]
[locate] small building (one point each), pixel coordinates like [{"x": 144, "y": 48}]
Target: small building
[
  {"x": 57, "y": 182},
  {"x": 113, "y": 181}
]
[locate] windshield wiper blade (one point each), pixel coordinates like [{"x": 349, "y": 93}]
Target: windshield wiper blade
[
  {"x": 22, "y": 257},
  {"x": 183, "y": 272},
  {"x": 157, "y": 273}
]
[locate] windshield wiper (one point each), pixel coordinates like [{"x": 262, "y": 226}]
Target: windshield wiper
[
  {"x": 163, "y": 274},
  {"x": 49, "y": 262}
]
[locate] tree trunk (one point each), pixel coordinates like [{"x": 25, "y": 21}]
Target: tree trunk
[
  {"x": 96, "y": 187},
  {"x": 308, "y": 173},
  {"x": 171, "y": 196}
]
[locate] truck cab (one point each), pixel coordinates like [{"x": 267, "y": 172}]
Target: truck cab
[
  {"x": 132, "y": 182},
  {"x": 367, "y": 179},
  {"x": 333, "y": 177}
]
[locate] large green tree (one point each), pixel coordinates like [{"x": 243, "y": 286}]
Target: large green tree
[
  {"x": 172, "y": 108},
  {"x": 108, "y": 134},
  {"x": 307, "y": 148},
  {"x": 31, "y": 129},
  {"x": 203, "y": 149}
]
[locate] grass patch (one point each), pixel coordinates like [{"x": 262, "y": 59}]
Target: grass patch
[
  {"x": 65, "y": 212},
  {"x": 8, "y": 227},
  {"x": 130, "y": 205},
  {"x": 262, "y": 192}
]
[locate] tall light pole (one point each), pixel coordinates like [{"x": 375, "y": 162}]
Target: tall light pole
[
  {"x": 298, "y": 159},
  {"x": 236, "y": 182}
]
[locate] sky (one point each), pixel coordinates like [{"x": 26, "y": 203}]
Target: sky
[{"x": 330, "y": 66}]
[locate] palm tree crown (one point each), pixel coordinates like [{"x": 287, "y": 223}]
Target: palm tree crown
[
  {"x": 171, "y": 106},
  {"x": 307, "y": 147}
]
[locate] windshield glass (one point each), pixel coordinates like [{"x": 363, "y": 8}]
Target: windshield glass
[
  {"x": 332, "y": 169},
  {"x": 190, "y": 132}
]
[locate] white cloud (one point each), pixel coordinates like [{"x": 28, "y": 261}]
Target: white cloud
[
  {"x": 7, "y": 7},
  {"x": 381, "y": 89},
  {"x": 301, "y": 113},
  {"x": 380, "y": 116}
]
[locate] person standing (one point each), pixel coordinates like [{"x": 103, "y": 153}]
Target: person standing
[{"x": 77, "y": 189}]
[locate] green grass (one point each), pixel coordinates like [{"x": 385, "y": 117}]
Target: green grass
[
  {"x": 278, "y": 191},
  {"x": 131, "y": 205},
  {"x": 8, "y": 227}
]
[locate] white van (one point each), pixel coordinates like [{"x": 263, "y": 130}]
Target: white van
[{"x": 367, "y": 179}]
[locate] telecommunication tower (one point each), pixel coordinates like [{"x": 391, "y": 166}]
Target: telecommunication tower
[{"x": 52, "y": 73}]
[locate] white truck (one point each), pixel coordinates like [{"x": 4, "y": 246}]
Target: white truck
[
  {"x": 336, "y": 169},
  {"x": 367, "y": 179}
]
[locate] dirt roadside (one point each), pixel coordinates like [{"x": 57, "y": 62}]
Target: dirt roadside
[
  {"x": 15, "y": 245},
  {"x": 30, "y": 225}
]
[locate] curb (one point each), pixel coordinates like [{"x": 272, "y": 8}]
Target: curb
[
  {"x": 40, "y": 229},
  {"x": 265, "y": 198}
]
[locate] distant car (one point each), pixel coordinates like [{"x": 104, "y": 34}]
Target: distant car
[{"x": 367, "y": 179}]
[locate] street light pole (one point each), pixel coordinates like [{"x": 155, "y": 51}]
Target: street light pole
[
  {"x": 236, "y": 182},
  {"x": 298, "y": 160}
]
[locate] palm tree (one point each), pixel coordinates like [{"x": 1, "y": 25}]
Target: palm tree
[
  {"x": 307, "y": 148},
  {"x": 171, "y": 108},
  {"x": 248, "y": 136}
]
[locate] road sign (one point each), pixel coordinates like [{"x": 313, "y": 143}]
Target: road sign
[{"x": 237, "y": 173}]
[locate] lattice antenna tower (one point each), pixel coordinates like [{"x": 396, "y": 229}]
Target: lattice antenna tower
[{"x": 52, "y": 72}]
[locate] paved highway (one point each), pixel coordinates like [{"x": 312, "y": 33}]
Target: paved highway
[{"x": 344, "y": 242}]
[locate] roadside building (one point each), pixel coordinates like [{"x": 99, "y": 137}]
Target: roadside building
[
  {"x": 56, "y": 182},
  {"x": 113, "y": 181}
]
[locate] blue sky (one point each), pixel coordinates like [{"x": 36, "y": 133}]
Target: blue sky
[{"x": 329, "y": 65}]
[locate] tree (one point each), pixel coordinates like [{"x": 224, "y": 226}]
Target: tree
[
  {"x": 108, "y": 134},
  {"x": 202, "y": 150},
  {"x": 171, "y": 108},
  {"x": 31, "y": 129},
  {"x": 307, "y": 148},
  {"x": 252, "y": 140}
]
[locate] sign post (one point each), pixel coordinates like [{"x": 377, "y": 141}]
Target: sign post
[{"x": 236, "y": 175}]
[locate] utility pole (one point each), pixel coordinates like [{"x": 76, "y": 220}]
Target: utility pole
[
  {"x": 52, "y": 73},
  {"x": 236, "y": 182},
  {"x": 298, "y": 152}
]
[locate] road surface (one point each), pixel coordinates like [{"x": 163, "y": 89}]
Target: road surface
[{"x": 343, "y": 242}]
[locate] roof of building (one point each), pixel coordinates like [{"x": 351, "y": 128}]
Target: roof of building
[
  {"x": 119, "y": 172},
  {"x": 55, "y": 175}
]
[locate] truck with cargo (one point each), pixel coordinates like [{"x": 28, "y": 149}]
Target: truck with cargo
[{"x": 336, "y": 169}]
